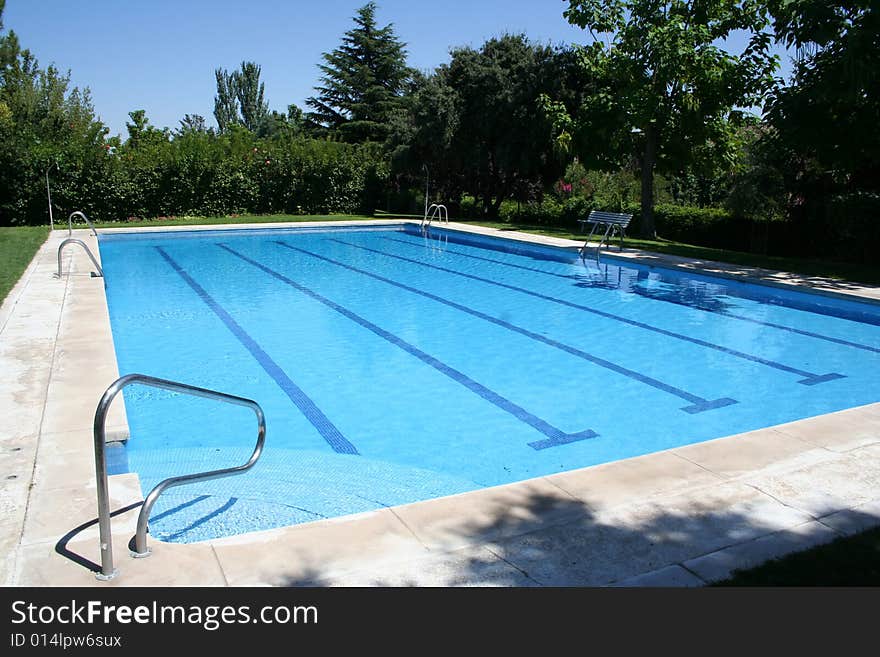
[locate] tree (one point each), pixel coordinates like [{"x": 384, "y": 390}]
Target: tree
[
  {"x": 277, "y": 125},
  {"x": 249, "y": 93},
  {"x": 141, "y": 133},
  {"x": 240, "y": 98},
  {"x": 226, "y": 101},
  {"x": 43, "y": 123},
  {"x": 477, "y": 123},
  {"x": 668, "y": 87},
  {"x": 362, "y": 82},
  {"x": 192, "y": 123},
  {"x": 757, "y": 183},
  {"x": 831, "y": 111}
]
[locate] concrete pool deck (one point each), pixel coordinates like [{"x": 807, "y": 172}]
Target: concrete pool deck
[{"x": 682, "y": 517}]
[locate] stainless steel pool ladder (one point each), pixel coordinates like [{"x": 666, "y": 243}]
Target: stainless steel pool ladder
[
  {"x": 435, "y": 211},
  {"x": 73, "y": 240},
  {"x": 141, "y": 550},
  {"x": 79, "y": 214}
]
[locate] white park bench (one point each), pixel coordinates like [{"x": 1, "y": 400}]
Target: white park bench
[{"x": 613, "y": 222}]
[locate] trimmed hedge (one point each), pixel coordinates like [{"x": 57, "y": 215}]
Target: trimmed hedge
[
  {"x": 849, "y": 230},
  {"x": 207, "y": 176},
  {"x": 712, "y": 227}
]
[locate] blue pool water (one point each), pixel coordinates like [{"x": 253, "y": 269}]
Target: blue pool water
[{"x": 394, "y": 367}]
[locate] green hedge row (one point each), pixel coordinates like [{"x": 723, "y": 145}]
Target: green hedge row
[
  {"x": 205, "y": 176},
  {"x": 848, "y": 229}
]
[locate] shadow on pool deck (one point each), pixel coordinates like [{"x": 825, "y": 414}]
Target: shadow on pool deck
[
  {"x": 61, "y": 547},
  {"x": 643, "y": 545}
]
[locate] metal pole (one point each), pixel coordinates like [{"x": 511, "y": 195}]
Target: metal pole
[
  {"x": 427, "y": 182},
  {"x": 108, "y": 572},
  {"x": 49, "y": 194}
]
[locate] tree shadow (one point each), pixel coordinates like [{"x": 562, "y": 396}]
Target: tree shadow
[
  {"x": 565, "y": 543},
  {"x": 743, "y": 271}
]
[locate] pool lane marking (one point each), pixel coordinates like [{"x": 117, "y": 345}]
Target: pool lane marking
[
  {"x": 647, "y": 294},
  {"x": 301, "y": 400},
  {"x": 484, "y": 259},
  {"x": 554, "y": 435},
  {"x": 791, "y": 329},
  {"x": 808, "y": 378},
  {"x": 698, "y": 404}
]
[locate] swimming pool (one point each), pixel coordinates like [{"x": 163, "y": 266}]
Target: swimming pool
[{"x": 394, "y": 367}]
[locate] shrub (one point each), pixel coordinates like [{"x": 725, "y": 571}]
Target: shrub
[
  {"x": 205, "y": 175},
  {"x": 467, "y": 207}
]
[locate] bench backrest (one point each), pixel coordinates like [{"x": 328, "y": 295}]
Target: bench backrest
[{"x": 616, "y": 218}]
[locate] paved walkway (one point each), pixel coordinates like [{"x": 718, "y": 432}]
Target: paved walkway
[{"x": 682, "y": 517}]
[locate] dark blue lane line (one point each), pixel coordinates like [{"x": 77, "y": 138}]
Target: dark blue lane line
[
  {"x": 476, "y": 257},
  {"x": 554, "y": 435},
  {"x": 303, "y": 402},
  {"x": 651, "y": 294},
  {"x": 809, "y": 378},
  {"x": 698, "y": 404},
  {"x": 791, "y": 329},
  {"x": 725, "y": 313}
]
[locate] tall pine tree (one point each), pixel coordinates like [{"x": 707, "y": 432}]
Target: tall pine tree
[{"x": 363, "y": 81}]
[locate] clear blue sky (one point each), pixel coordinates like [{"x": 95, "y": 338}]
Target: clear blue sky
[{"x": 160, "y": 55}]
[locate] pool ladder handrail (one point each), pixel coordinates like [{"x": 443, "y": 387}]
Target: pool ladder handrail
[
  {"x": 73, "y": 240},
  {"x": 108, "y": 572},
  {"x": 77, "y": 213},
  {"x": 437, "y": 211}
]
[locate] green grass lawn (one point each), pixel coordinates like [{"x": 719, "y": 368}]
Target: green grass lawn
[{"x": 17, "y": 247}]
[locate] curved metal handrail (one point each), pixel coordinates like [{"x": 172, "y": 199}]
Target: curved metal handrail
[
  {"x": 141, "y": 549},
  {"x": 435, "y": 211},
  {"x": 79, "y": 214},
  {"x": 73, "y": 240}
]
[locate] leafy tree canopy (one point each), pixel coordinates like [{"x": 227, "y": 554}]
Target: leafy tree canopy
[
  {"x": 240, "y": 98},
  {"x": 477, "y": 123},
  {"x": 226, "y": 101},
  {"x": 43, "y": 124},
  {"x": 249, "y": 92},
  {"x": 831, "y": 111},
  {"x": 192, "y": 123},
  {"x": 668, "y": 87}
]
